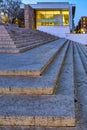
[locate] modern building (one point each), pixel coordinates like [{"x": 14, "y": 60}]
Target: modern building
[
  {"x": 82, "y": 25},
  {"x": 56, "y": 18}
]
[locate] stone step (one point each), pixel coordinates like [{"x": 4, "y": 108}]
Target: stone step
[
  {"x": 83, "y": 56},
  {"x": 33, "y": 34},
  {"x": 13, "y": 34},
  {"x": 34, "y": 40},
  {"x": 29, "y": 31},
  {"x": 19, "y": 50},
  {"x": 43, "y": 110},
  {"x": 4, "y": 34},
  {"x": 9, "y": 50},
  {"x": 84, "y": 49},
  {"x": 7, "y": 42},
  {"x": 44, "y": 84},
  {"x": 42, "y": 60},
  {"x": 7, "y": 45},
  {"x": 16, "y": 45},
  {"x": 23, "y": 43},
  {"x": 81, "y": 84},
  {"x": 24, "y": 38},
  {"x": 29, "y": 34},
  {"x": 78, "y": 55},
  {"x": 4, "y": 39},
  {"x": 23, "y": 48},
  {"x": 8, "y": 39}
]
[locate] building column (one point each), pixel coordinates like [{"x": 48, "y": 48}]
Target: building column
[
  {"x": 70, "y": 19},
  {"x": 61, "y": 18},
  {"x": 29, "y": 17}
]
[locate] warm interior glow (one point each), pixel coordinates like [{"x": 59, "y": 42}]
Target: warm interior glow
[{"x": 52, "y": 17}]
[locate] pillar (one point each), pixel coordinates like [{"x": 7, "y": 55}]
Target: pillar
[
  {"x": 61, "y": 18},
  {"x": 70, "y": 18},
  {"x": 29, "y": 17}
]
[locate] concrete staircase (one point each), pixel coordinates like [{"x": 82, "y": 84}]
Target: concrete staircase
[
  {"x": 14, "y": 39},
  {"x": 37, "y": 86},
  {"x": 29, "y": 83}
]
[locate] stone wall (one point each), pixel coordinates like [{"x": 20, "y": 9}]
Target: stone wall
[{"x": 29, "y": 17}]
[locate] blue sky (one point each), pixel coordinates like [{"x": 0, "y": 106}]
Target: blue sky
[{"x": 81, "y": 6}]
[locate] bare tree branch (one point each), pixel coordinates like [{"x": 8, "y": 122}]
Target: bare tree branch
[{"x": 12, "y": 8}]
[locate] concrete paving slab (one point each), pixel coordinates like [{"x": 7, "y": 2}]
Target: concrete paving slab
[{"x": 44, "y": 84}]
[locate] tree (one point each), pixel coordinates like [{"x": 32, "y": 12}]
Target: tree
[
  {"x": 1, "y": 8},
  {"x": 12, "y": 9},
  {"x": 1, "y": 1},
  {"x": 1, "y": 4}
]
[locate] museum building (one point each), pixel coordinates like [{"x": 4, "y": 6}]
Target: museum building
[{"x": 53, "y": 17}]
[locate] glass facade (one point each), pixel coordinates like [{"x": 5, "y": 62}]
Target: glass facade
[{"x": 52, "y": 17}]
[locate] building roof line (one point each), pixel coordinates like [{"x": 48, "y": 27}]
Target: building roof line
[{"x": 52, "y": 2}]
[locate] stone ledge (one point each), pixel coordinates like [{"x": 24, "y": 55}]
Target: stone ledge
[
  {"x": 37, "y": 121},
  {"x": 27, "y": 90}
]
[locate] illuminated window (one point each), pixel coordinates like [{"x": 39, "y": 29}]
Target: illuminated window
[
  {"x": 52, "y": 18},
  {"x": 83, "y": 18},
  {"x": 83, "y": 22},
  {"x": 65, "y": 15}
]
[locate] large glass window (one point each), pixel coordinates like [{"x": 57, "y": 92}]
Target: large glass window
[
  {"x": 65, "y": 15},
  {"x": 52, "y": 17}
]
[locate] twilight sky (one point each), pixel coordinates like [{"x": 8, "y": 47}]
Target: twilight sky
[{"x": 81, "y": 6}]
